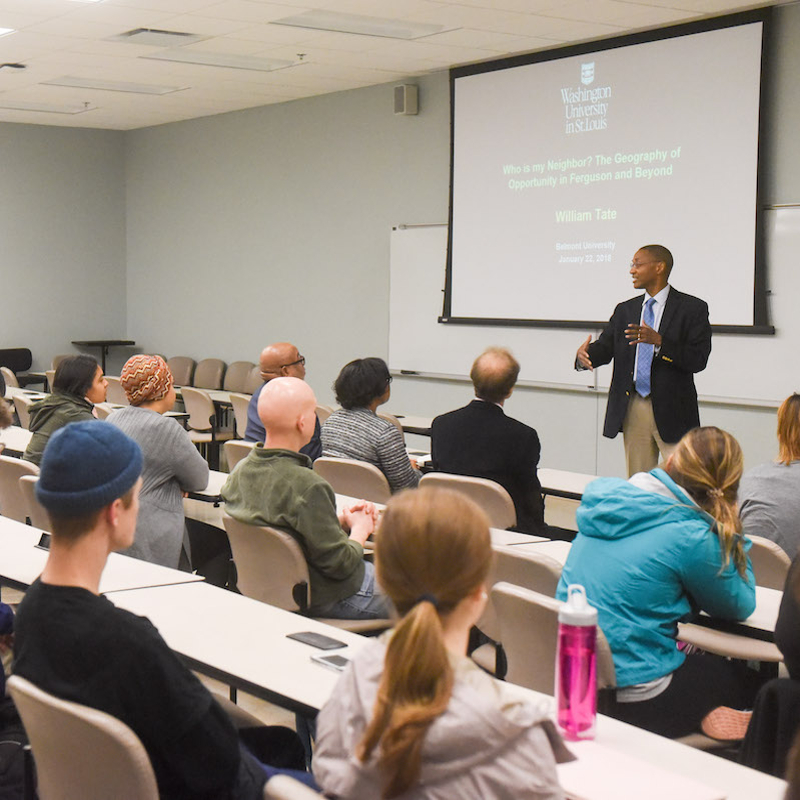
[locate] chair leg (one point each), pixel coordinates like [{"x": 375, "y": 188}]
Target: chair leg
[
  {"x": 306, "y": 730},
  {"x": 29, "y": 775}
]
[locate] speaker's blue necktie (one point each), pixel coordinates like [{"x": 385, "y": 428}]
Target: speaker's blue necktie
[{"x": 645, "y": 354}]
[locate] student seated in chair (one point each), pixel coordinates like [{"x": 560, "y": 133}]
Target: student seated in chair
[
  {"x": 75, "y": 644},
  {"x": 276, "y": 486}
]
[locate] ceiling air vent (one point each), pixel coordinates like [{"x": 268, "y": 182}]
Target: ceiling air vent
[{"x": 156, "y": 38}]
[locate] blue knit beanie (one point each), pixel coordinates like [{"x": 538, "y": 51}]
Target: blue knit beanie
[{"x": 85, "y": 467}]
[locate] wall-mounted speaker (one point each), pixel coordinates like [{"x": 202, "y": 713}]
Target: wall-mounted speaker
[{"x": 406, "y": 99}]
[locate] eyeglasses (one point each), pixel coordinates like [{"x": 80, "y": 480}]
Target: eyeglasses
[
  {"x": 301, "y": 361},
  {"x": 638, "y": 264}
]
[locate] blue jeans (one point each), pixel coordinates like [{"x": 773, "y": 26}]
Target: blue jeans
[
  {"x": 306, "y": 778},
  {"x": 369, "y": 602}
]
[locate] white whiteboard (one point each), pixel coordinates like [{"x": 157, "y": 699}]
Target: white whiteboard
[{"x": 740, "y": 368}]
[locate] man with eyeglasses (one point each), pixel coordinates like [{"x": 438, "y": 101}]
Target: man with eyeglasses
[
  {"x": 279, "y": 360},
  {"x": 657, "y": 342}
]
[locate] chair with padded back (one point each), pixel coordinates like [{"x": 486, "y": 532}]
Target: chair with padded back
[
  {"x": 12, "y": 503},
  {"x": 489, "y": 495},
  {"x": 284, "y": 787},
  {"x": 59, "y": 358},
  {"x": 770, "y": 563},
  {"x": 529, "y": 631},
  {"x": 209, "y": 373},
  {"x": 51, "y": 375},
  {"x": 254, "y": 380},
  {"x": 236, "y": 376},
  {"x": 182, "y": 369},
  {"x": 323, "y": 412},
  {"x": 115, "y": 393},
  {"x": 271, "y": 568},
  {"x": 236, "y": 450},
  {"x": 535, "y": 571},
  {"x": 354, "y": 478},
  {"x": 240, "y": 403},
  {"x": 36, "y": 512},
  {"x": 202, "y": 423},
  {"x": 393, "y": 419},
  {"x": 9, "y": 377},
  {"x": 22, "y": 404},
  {"x": 80, "y": 751},
  {"x": 103, "y": 409}
]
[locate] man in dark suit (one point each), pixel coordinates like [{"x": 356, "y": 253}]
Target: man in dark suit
[
  {"x": 657, "y": 341},
  {"x": 480, "y": 440}
]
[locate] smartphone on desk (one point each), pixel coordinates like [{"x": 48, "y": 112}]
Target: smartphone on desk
[
  {"x": 316, "y": 640},
  {"x": 333, "y": 661}
]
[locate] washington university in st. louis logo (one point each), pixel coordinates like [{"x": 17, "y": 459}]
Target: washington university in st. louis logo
[{"x": 587, "y": 73}]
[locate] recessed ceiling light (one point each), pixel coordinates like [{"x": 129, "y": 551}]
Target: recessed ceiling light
[
  {"x": 358, "y": 23},
  {"x": 157, "y": 38},
  {"x": 229, "y": 60},
  {"x": 53, "y": 108},
  {"x": 113, "y": 86},
  {"x": 88, "y": 1},
  {"x": 6, "y": 31}
]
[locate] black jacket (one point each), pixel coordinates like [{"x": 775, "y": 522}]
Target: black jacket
[
  {"x": 481, "y": 441},
  {"x": 686, "y": 335}
]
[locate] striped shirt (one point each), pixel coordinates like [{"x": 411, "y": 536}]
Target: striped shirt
[{"x": 362, "y": 435}]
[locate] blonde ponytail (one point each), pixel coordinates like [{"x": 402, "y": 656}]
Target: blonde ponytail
[
  {"x": 708, "y": 463},
  {"x": 432, "y": 550}
]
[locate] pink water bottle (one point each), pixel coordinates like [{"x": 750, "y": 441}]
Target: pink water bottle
[{"x": 576, "y": 666}]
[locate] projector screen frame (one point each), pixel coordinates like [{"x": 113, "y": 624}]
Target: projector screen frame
[{"x": 761, "y": 323}]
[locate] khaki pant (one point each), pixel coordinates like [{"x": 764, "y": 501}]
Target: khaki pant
[{"x": 640, "y": 434}]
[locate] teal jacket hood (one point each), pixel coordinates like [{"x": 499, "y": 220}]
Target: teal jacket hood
[{"x": 613, "y": 508}]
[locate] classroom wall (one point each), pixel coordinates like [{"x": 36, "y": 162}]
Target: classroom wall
[
  {"x": 62, "y": 237},
  {"x": 273, "y": 223}
]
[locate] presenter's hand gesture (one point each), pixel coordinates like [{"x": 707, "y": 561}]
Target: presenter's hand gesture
[
  {"x": 643, "y": 333},
  {"x": 582, "y": 356}
]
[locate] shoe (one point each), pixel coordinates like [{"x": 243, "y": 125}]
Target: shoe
[{"x": 726, "y": 724}]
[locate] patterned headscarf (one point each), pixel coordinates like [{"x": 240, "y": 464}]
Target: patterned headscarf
[{"x": 145, "y": 378}]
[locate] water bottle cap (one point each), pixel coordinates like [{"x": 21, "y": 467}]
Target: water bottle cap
[{"x": 576, "y": 610}]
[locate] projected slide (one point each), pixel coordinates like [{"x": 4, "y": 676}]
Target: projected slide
[{"x": 563, "y": 168}]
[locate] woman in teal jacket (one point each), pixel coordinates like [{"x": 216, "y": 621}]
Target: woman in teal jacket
[{"x": 654, "y": 551}]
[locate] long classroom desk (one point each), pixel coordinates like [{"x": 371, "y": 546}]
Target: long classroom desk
[
  {"x": 14, "y": 440},
  {"x": 759, "y": 625},
  {"x": 243, "y": 642},
  {"x": 216, "y": 480},
  {"x": 561, "y": 483},
  {"x": 21, "y": 562}
]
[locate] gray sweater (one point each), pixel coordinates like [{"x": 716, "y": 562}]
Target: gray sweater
[
  {"x": 769, "y": 504},
  {"x": 361, "y": 434},
  {"x": 172, "y": 465}
]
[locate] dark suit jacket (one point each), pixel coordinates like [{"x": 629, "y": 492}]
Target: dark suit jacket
[
  {"x": 480, "y": 440},
  {"x": 686, "y": 335}
]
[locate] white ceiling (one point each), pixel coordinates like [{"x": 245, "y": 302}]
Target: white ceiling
[{"x": 57, "y": 38}]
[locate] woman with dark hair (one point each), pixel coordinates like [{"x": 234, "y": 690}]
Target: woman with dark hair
[
  {"x": 412, "y": 716},
  {"x": 356, "y": 431},
  {"x": 769, "y": 495},
  {"x": 653, "y": 551},
  {"x": 77, "y": 386}
]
